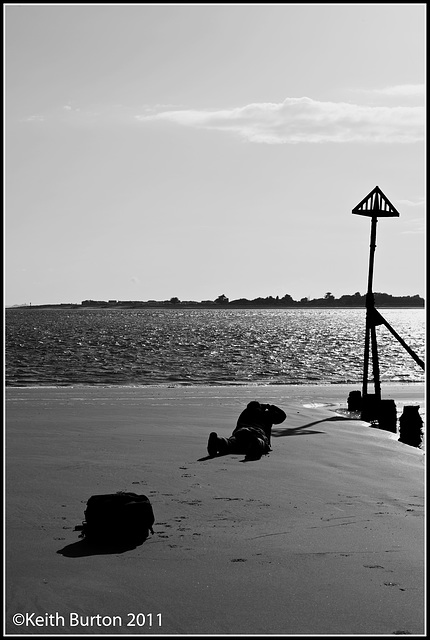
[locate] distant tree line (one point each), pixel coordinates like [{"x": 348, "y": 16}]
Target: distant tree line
[{"x": 329, "y": 300}]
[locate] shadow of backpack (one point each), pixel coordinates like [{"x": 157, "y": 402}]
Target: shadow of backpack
[{"x": 122, "y": 518}]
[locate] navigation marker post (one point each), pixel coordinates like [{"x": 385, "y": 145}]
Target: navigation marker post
[{"x": 376, "y": 205}]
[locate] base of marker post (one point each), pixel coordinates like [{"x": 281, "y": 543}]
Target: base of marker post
[
  {"x": 380, "y": 413},
  {"x": 387, "y": 416},
  {"x": 369, "y": 407}
]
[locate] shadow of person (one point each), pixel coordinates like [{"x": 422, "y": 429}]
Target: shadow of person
[
  {"x": 255, "y": 454},
  {"x": 86, "y": 548},
  {"x": 247, "y": 458},
  {"x": 252, "y": 457},
  {"x": 217, "y": 455}
]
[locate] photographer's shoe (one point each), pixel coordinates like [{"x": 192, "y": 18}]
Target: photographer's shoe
[{"x": 213, "y": 444}]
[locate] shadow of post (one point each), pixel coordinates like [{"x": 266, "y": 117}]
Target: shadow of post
[{"x": 304, "y": 429}]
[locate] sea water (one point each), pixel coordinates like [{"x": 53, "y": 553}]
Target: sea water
[{"x": 73, "y": 347}]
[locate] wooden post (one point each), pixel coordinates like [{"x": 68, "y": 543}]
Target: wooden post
[
  {"x": 375, "y": 363},
  {"x": 366, "y": 354},
  {"x": 370, "y": 337}
]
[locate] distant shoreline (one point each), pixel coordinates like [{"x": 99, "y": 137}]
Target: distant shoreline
[
  {"x": 346, "y": 301},
  {"x": 176, "y": 307}
]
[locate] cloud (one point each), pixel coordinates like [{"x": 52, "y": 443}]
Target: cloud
[
  {"x": 303, "y": 120},
  {"x": 416, "y": 226},
  {"x": 293, "y": 121},
  {"x": 35, "y": 118},
  {"x": 411, "y": 203},
  {"x": 402, "y": 90}
]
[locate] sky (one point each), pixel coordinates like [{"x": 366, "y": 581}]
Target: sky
[{"x": 180, "y": 150}]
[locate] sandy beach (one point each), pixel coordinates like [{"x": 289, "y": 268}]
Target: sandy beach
[{"x": 323, "y": 536}]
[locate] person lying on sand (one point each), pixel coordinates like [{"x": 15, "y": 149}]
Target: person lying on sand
[{"x": 252, "y": 434}]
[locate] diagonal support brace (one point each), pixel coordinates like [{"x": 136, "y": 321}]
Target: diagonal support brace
[{"x": 377, "y": 319}]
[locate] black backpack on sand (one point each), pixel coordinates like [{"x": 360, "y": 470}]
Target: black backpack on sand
[{"x": 122, "y": 518}]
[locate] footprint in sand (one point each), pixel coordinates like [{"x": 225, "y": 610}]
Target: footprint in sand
[{"x": 394, "y": 584}]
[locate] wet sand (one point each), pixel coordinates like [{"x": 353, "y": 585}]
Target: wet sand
[{"x": 325, "y": 535}]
